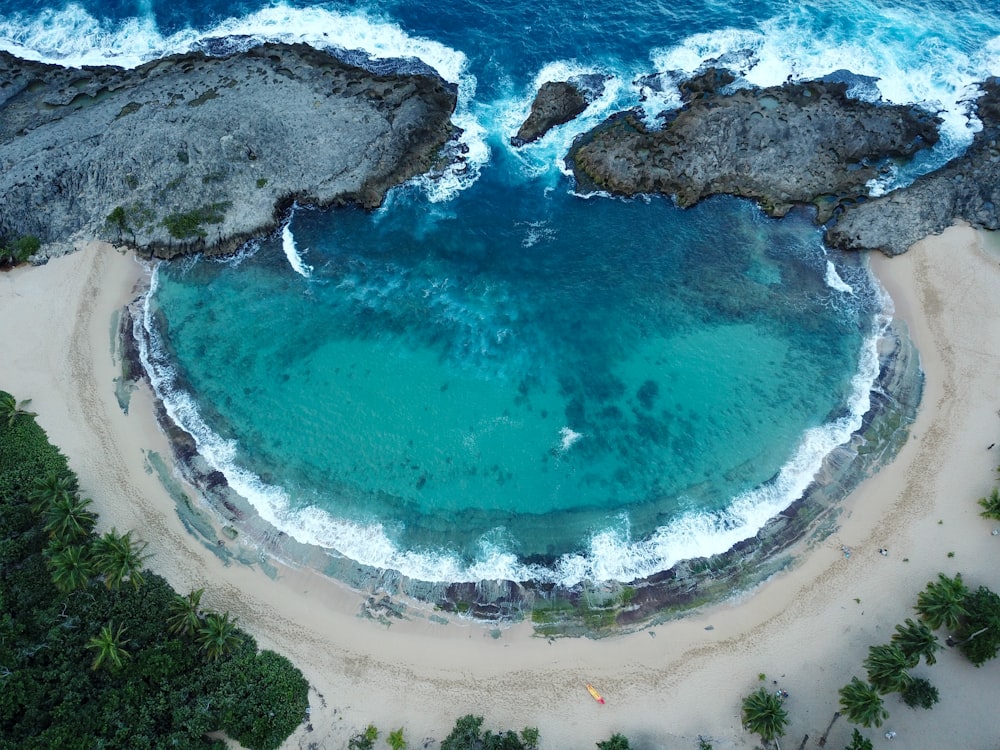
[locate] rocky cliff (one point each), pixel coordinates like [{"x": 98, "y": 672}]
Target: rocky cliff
[
  {"x": 195, "y": 152},
  {"x": 784, "y": 145}
]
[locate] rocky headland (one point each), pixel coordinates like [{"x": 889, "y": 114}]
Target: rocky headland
[
  {"x": 200, "y": 153},
  {"x": 786, "y": 145},
  {"x": 967, "y": 188},
  {"x": 801, "y": 143}
]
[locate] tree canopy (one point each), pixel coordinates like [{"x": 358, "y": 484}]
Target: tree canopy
[
  {"x": 764, "y": 714},
  {"x": 90, "y": 663}
]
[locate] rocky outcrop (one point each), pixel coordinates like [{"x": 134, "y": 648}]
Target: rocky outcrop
[
  {"x": 794, "y": 144},
  {"x": 557, "y": 102},
  {"x": 966, "y": 188},
  {"x": 194, "y": 152}
]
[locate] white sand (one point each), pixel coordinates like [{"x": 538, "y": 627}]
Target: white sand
[{"x": 809, "y": 628}]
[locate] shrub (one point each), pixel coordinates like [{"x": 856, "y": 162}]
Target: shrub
[
  {"x": 188, "y": 224},
  {"x": 920, "y": 692}
]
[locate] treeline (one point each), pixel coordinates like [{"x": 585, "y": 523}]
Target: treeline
[{"x": 98, "y": 651}]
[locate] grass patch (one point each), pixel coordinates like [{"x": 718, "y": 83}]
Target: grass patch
[{"x": 190, "y": 224}]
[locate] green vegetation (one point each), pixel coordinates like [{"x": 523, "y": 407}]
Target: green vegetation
[
  {"x": 887, "y": 667},
  {"x": 128, "y": 220},
  {"x": 616, "y": 742},
  {"x": 189, "y": 224},
  {"x": 396, "y": 741},
  {"x": 87, "y": 656},
  {"x": 978, "y": 632},
  {"x": 11, "y": 409},
  {"x": 920, "y": 692},
  {"x": 261, "y": 182},
  {"x": 859, "y": 742},
  {"x": 468, "y": 735},
  {"x": 862, "y": 704},
  {"x": 916, "y": 640},
  {"x": 15, "y": 252},
  {"x": 940, "y": 604},
  {"x": 764, "y": 714},
  {"x": 991, "y": 505},
  {"x": 363, "y": 740}
]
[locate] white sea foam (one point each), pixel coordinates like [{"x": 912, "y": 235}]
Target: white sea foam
[
  {"x": 611, "y": 554},
  {"x": 568, "y": 438},
  {"x": 292, "y": 253},
  {"x": 915, "y": 58},
  {"x": 833, "y": 280}
]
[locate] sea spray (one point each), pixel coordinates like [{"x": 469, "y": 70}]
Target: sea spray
[{"x": 292, "y": 253}]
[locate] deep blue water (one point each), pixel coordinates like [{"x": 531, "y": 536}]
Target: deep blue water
[{"x": 492, "y": 376}]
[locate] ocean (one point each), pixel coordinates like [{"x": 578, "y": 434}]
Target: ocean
[{"x": 493, "y": 376}]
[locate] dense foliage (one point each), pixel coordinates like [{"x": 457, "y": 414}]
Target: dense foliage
[
  {"x": 859, "y": 742},
  {"x": 15, "y": 251},
  {"x": 468, "y": 735},
  {"x": 86, "y": 658},
  {"x": 764, "y": 714},
  {"x": 979, "y": 630}
]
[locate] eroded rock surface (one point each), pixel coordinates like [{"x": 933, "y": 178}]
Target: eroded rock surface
[
  {"x": 966, "y": 188},
  {"x": 784, "y": 145},
  {"x": 193, "y": 152}
]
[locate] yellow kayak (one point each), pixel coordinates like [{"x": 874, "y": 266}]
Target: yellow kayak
[{"x": 593, "y": 692}]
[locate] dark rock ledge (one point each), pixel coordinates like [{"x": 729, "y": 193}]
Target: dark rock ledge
[
  {"x": 801, "y": 143},
  {"x": 784, "y": 145},
  {"x": 967, "y": 188},
  {"x": 196, "y": 153},
  {"x": 556, "y": 103}
]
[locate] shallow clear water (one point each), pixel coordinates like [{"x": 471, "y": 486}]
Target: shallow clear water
[{"x": 492, "y": 377}]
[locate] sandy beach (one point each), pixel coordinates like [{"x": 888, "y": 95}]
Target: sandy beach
[{"x": 809, "y": 628}]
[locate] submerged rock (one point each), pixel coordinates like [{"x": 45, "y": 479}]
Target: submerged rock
[
  {"x": 798, "y": 143},
  {"x": 196, "y": 152},
  {"x": 966, "y": 188},
  {"x": 557, "y": 102}
]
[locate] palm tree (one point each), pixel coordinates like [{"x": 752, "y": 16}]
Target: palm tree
[
  {"x": 71, "y": 568},
  {"x": 51, "y": 487},
  {"x": 764, "y": 714},
  {"x": 941, "y": 602},
  {"x": 991, "y": 505},
  {"x": 11, "y": 409},
  {"x": 109, "y": 647},
  {"x": 887, "y": 665},
  {"x": 862, "y": 704},
  {"x": 217, "y": 636},
  {"x": 185, "y": 613},
  {"x": 915, "y": 639},
  {"x": 67, "y": 518},
  {"x": 118, "y": 558}
]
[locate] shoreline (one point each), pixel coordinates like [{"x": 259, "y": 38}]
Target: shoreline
[
  {"x": 804, "y": 624},
  {"x": 593, "y": 609}
]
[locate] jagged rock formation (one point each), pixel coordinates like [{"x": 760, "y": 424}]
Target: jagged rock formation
[
  {"x": 967, "y": 188},
  {"x": 193, "y": 152},
  {"x": 557, "y": 102},
  {"x": 784, "y": 145}
]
